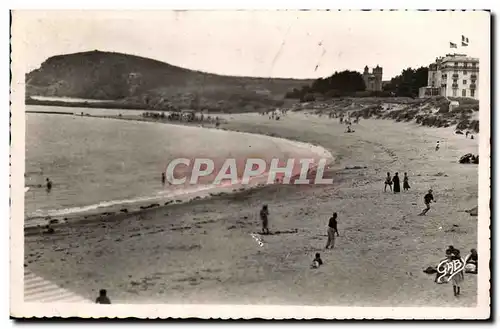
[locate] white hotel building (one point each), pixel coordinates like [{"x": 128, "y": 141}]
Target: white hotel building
[{"x": 454, "y": 75}]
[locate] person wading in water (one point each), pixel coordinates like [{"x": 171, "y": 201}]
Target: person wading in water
[
  {"x": 49, "y": 185},
  {"x": 264, "y": 217},
  {"x": 331, "y": 230}
]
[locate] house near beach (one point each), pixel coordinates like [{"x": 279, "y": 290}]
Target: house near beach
[{"x": 454, "y": 75}]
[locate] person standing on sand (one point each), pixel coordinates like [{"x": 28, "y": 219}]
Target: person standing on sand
[
  {"x": 406, "y": 185},
  {"x": 331, "y": 230},
  {"x": 163, "y": 178},
  {"x": 437, "y": 146},
  {"x": 428, "y": 198},
  {"x": 264, "y": 217},
  {"x": 103, "y": 298},
  {"x": 458, "y": 278},
  {"x": 395, "y": 180},
  {"x": 388, "y": 182}
]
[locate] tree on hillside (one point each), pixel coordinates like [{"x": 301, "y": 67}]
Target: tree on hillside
[
  {"x": 345, "y": 81},
  {"x": 408, "y": 82},
  {"x": 339, "y": 83}
]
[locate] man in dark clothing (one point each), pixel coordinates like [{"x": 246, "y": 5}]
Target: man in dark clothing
[
  {"x": 395, "y": 181},
  {"x": 163, "y": 178},
  {"x": 103, "y": 298},
  {"x": 264, "y": 213},
  {"x": 332, "y": 229},
  {"x": 428, "y": 198}
]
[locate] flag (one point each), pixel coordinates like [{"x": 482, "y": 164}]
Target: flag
[
  {"x": 453, "y": 45},
  {"x": 463, "y": 38},
  {"x": 464, "y": 44},
  {"x": 467, "y": 40}
]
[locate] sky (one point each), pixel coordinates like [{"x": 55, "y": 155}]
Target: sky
[{"x": 288, "y": 44}]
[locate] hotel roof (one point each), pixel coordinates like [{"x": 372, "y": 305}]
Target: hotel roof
[{"x": 458, "y": 58}]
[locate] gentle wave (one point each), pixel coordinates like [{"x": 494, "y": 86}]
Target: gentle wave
[{"x": 169, "y": 194}]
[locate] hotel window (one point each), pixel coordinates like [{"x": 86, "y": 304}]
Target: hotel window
[
  {"x": 473, "y": 65},
  {"x": 455, "y": 64},
  {"x": 454, "y": 92},
  {"x": 455, "y": 81},
  {"x": 464, "y": 92},
  {"x": 465, "y": 65},
  {"x": 464, "y": 82},
  {"x": 465, "y": 72},
  {"x": 472, "y": 92}
]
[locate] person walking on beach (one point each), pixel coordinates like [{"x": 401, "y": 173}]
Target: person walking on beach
[
  {"x": 428, "y": 198},
  {"x": 437, "y": 146},
  {"x": 264, "y": 217},
  {"x": 395, "y": 180},
  {"x": 48, "y": 184},
  {"x": 331, "y": 230},
  {"x": 406, "y": 185},
  {"x": 103, "y": 298},
  {"x": 388, "y": 182},
  {"x": 163, "y": 178}
]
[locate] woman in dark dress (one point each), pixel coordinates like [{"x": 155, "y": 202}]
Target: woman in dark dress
[
  {"x": 406, "y": 185},
  {"x": 395, "y": 181}
]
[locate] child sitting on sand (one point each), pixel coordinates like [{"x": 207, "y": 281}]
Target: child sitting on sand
[
  {"x": 317, "y": 262},
  {"x": 103, "y": 298},
  {"x": 471, "y": 262}
]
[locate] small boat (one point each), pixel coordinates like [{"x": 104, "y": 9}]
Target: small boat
[{"x": 26, "y": 189}]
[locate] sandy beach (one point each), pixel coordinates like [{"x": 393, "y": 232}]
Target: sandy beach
[{"x": 203, "y": 251}]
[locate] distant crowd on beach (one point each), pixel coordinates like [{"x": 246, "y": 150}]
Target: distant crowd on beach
[
  {"x": 275, "y": 114},
  {"x": 184, "y": 116}
]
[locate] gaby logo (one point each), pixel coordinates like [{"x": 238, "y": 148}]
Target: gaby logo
[
  {"x": 449, "y": 268},
  {"x": 202, "y": 170}
]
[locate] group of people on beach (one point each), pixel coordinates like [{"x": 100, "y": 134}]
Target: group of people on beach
[
  {"x": 456, "y": 276},
  {"x": 331, "y": 230},
  {"x": 389, "y": 181},
  {"x": 275, "y": 114}
]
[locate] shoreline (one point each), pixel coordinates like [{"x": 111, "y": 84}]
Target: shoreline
[
  {"x": 115, "y": 207},
  {"x": 203, "y": 251}
]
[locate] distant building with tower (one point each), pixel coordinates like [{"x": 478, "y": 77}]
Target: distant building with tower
[
  {"x": 454, "y": 75},
  {"x": 373, "y": 80}
]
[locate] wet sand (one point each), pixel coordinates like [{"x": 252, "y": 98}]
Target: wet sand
[{"x": 202, "y": 251}]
